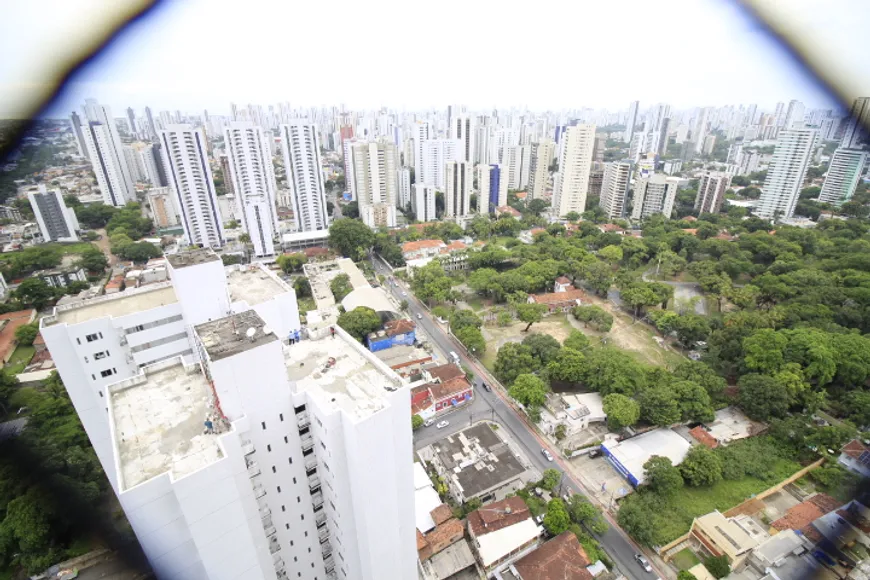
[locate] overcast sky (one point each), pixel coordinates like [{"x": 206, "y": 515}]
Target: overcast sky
[{"x": 195, "y": 54}]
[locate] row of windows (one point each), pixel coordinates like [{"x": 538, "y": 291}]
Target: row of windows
[
  {"x": 91, "y": 337},
  {"x": 148, "y": 325}
]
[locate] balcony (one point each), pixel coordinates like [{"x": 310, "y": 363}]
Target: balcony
[
  {"x": 313, "y": 482},
  {"x": 310, "y": 463},
  {"x": 317, "y": 499},
  {"x": 274, "y": 546},
  {"x": 270, "y": 531},
  {"x": 266, "y": 521},
  {"x": 303, "y": 420},
  {"x": 324, "y": 535},
  {"x": 329, "y": 564},
  {"x": 259, "y": 491},
  {"x": 253, "y": 469},
  {"x": 277, "y": 560},
  {"x": 307, "y": 443},
  {"x": 247, "y": 447},
  {"x": 326, "y": 549},
  {"x": 320, "y": 520}
]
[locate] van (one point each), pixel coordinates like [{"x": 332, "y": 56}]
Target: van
[{"x": 454, "y": 357}]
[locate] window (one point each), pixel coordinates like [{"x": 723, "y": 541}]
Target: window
[
  {"x": 287, "y": 526},
  {"x": 79, "y": 341},
  {"x": 291, "y": 541},
  {"x": 264, "y": 425},
  {"x": 298, "y": 499},
  {"x": 279, "y": 489},
  {"x": 98, "y": 356},
  {"x": 285, "y": 439},
  {"x": 290, "y": 459},
  {"x": 92, "y": 337},
  {"x": 107, "y": 373},
  {"x": 302, "y": 517},
  {"x": 86, "y": 359},
  {"x": 273, "y": 469},
  {"x": 294, "y": 480},
  {"x": 309, "y": 551},
  {"x": 93, "y": 378},
  {"x": 268, "y": 448},
  {"x": 295, "y": 558},
  {"x": 284, "y": 509},
  {"x": 281, "y": 416}
]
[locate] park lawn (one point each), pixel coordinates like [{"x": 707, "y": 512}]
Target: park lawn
[
  {"x": 19, "y": 359},
  {"x": 65, "y": 248},
  {"x": 685, "y": 559}
]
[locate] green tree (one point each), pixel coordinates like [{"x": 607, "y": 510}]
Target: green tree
[
  {"x": 600, "y": 319},
  {"x": 639, "y": 296},
  {"x": 691, "y": 328},
  {"x": 26, "y": 333},
  {"x": 611, "y": 254},
  {"x": 598, "y": 276},
  {"x": 685, "y": 575},
  {"x": 472, "y": 339},
  {"x": 584, "y": 513},
  {"x": 610, "y": 370},
  {"x": 659, "y": 406},
  {"x": 557, "y": 519},
  {"x": 762, "y": 396},
  {"x": 701, "y": 466},
  {"x": 139, "y": 252},
  {"x": 531, "y": 313},
  {"x": 529, "y": 391},
  {"x": 514, "y": 359},
  {"x": 416, "y": 422},
  {"x": 544, "y": 347},
  {"x": 576, "y": 340},
  {"x": 34, "y": 292},
  {"x": 662, "y": 476},
  {"x": 694, "y": 402},
  {"x": 403, "y": 305},
  {"x": 340, "y": 287},
  {"x": 302, "y": 287},
  {"x": 351, "y": 238},
  {"x": 568, "y": 366},
  {"x": 621, "y": 411},
  {"x": 572, "y": 216},
  {"x": 95, "y": 215},
  {"x": 551, "y": 479},
  {"x": 350, "y": 210},
  {"x": 763, "y": 350},
  {"x": 464, "y": 317},
  {"x": 291, "y": 262},
  {"x": 93, "y": 260},
  {"x": 360, "y": 322},
  {"x": 718, "y": 566},
  {"x": 431, "y": 284},
  {"x": 701, "y": 373}
]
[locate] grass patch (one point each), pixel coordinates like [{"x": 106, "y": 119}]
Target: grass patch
[
  {"x": 65, "y": 248},
  {"x": 20, "y": 358},
  {"x": 685, "y": 559},
  {"x": 306, "y": 304},
  {"x": 536, "y": 505}
]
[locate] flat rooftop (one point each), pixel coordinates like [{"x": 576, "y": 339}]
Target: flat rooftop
[
  {"x": 338, "y": 375},
  {"x": 253, "y": 285},
  {"x": 357, "y": 279},
  {"x": 116, "y": 305},
  {"x": 159, "y": 419},
  {"x": 192, "y": 257},
  {"x": 233, "y": 334},
  {"x": 478, "y": 458},
  {"x": 402, "y": 354},
  {"x": 634, "y": 452}
]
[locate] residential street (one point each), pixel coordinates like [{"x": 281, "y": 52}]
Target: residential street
[{"x": 492, "y": 405}]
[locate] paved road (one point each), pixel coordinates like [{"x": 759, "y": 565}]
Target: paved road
[{"x": 491, "y": 405}]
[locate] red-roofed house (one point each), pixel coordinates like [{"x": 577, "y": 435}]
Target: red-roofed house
[
  {"x": 447, "y": 389},
  {"x": 559, "y": 301},
  {"x": 612, "y": 229},
  {"x": 522, "y": 194},
  {"x": 701, "y": 436},
  {"x": 801, "y": 516},
  {"x": 560, "y": 558},
  {"x": 855, "y": 456},
  {"x": 508, "y": 210},
  {"x": 502, "y": 532},
  {"x": 563, "y": 284},
  {"x": 422, "y": 249}
]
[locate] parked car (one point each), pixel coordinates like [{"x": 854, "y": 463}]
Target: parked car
[
  {"x": 486, "y": 387},
  {"x": 644, "y": 563},
  {"x": 547, "y": 454},
  {"x": 442, "y": 424},
  {"x": 429, "y": 423},
  {"x": 594, "y": 453},
  {"x": 404, "y": 293},
  {"x": 419, "y": 316}
]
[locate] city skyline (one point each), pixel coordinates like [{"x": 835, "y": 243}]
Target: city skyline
[{"x": 739, "y": 58}]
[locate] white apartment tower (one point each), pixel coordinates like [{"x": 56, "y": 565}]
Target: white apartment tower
[
  {"x": 421, "y": 132},
  {"x": 463, "y": 128},
  {"x": 540, "y": 157},
  {"x": 134, "y": 163},
  {"x": 711, "y": 191},
  {"x": 79, "y": 133},
  {"x": 457, "y": 194},
  {"x": 571, "y": 183},
  {"x": 516, "y": 160},
  {"x": 349, "y": 180},
  {"x": 654, "y": 194},
  {"x": 423, "y": 202},
  {"x": 436, "y": 154},
  {"x": 699, "y": 131},
  {"x": 189, "y": 174},
  {"x": 57, "y": 222},
  {"x": 253, "y": 175},
  {"x": 843, "y": 175},
  {"x": 301, "y": 147},
  {"x": 234, "y": 454},
  {"x": 786, "y": 173},
  {"x": 630, "y": 121},
  {"x": 855, "y": 134},
  {"x": 403, "y": 179},
  {"x": 376, "y": 182},
  {"x": 794, "y": 116},
  {"x": 106, "y": 154},
  {"x": 614, "y": 188}
]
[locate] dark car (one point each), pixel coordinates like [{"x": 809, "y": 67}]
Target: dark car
[{"x": 486, "y": 387}]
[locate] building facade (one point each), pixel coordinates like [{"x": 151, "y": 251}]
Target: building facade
[
  {"x": 540, "y": 156},
  {"x": 463, "y": 128},
  {"x": 786, "y": 173},
  {"x": 107, "y": 156},
  {"x": 571, "y": 183},
  {"x": 855, "y": 133},
  {"x": 457, "y": 193},
  {"x": 57, "y": 222},
  {"x": 844, "y": 172},
  {"x": 376, "y": 182},
  {"x": 654, "y": 194},
  {"x": 614, "y": 188},
  {"x": 186, "y": 162},
  {"x": 301, "y": 148},
  {"x": 163, "y": 210},
  {"x": 711, "y": 191},
  {"x": 253, "y": 176},
  {"x": 423, "y": 202}
]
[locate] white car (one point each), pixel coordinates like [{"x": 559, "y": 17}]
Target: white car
[
  {"x": 644, "y": 563},
  {"x": 404, "y": 293},
  {"x": 547, "y": 454},
  {"x": 419, "y": 316},
  {"x": 442, "y": 424}
]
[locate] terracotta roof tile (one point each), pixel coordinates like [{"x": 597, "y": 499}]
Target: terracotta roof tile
[
  {"x": 495, "y": 516},
  {"x": 441, "y": 514},
  {"x": 559, "y": 297},
  {"x": 421, "y": 541},
  {"x": 522, "y": 194},
  {"x": 854, "y": 449},
  {"x": 703, "y": 437},
  {"x": 690, "y": 218},
  {"x": 444, "y": 535},
  {"x": 400, "y": 326},
  {"x": 801, "y": 516},
  {"x": 692, "y": 231},
  {"x": 421, "y": 244},
  {"x": 507, "y": 209},
  {"x": 560, "y": 558},
  {"x": 825, "y": 502},
  {"x": 563, "y": 280},
  {"x": 449, "y": 388},
  {"x": 455, "y": 245},
  {"x": 446, "y": 372},
  {"x": 611, "y": 228}
]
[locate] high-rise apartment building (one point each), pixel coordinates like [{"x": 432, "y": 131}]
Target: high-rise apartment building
[
  {"x": 786, "y": 173},
  {"x": 843, "y": 175},
  {"x": 79, "y": 134},
  {"x": 855, "y": 134},
  {"x": 134, "y": 163},
  {"x": 152, "y": 128},
  {"x": 516, "y": 160},
  {"x": 403, "y": 179},
  {"x": 189, "y": 175},
  {"x": 436, "y": 154},
  {"x": 131, "y": 120},
  {"x": 541, "y": 154},
  {"x": 250, "y": 160},
  {"x": 162, "y": 204},
  {"x": 492, "y": 188},
  {"x": 462, "y": 127},
  {"x": 301, "y": 147},
  {"x": 457, "y": 193},
  {"x": 654, "y": 194},
  {"x": 794, "y": 115},
  {"x": 107, "y": 156},
  {"x": 233, "y": 453},
  {"x": 711, "y": 191},
  {"x": 57, "y": 222},
  {"x": 571, "y": 183},
  {"x": 421, "y": 132},
  {"x": 423, "y": 202},
  {"x": 630, "y": 121},
  {"x": 614, "y": 188},
  {"x": 376, "y": 182},
  {"x": 152, "y": 163},
  {"x": 699, "y": 131}
]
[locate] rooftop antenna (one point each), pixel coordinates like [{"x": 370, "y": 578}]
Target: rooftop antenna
[{"x": 250, "y": 333}]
